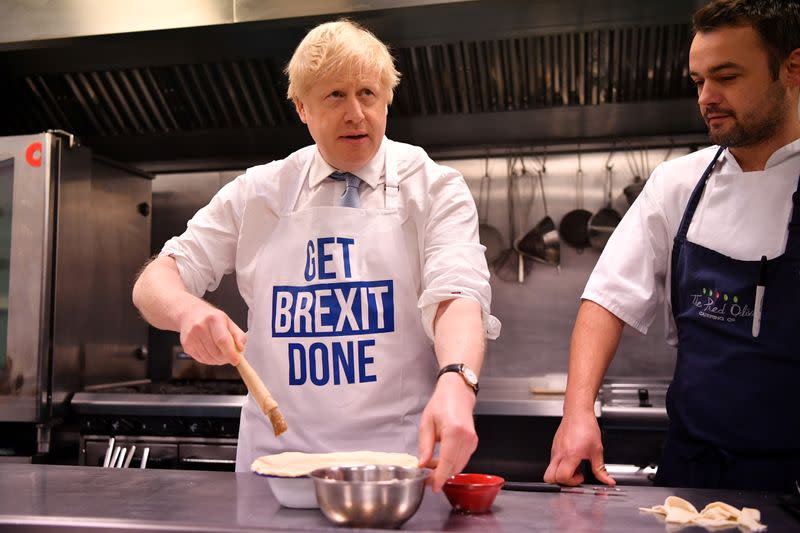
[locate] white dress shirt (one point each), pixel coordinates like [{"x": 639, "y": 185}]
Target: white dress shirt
[
  {"x": 440, "y": 226},
  {"x": 743, "y": 215}
]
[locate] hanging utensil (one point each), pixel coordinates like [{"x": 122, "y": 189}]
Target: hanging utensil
[
  {"x": 572, "y": 228},
  {"x": 542, "y": 243},
  {"x": 605, "y": 221},
  {"x": 489, "y": 236},
  {"x": 640, "y": 175},
  {"x": 510, "y": 265}
]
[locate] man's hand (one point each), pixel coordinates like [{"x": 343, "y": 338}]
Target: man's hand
[
  {"x": 577, "y": 438},
  {"x": 210, "y": 336},
  {"x": 447, "y": 419}
]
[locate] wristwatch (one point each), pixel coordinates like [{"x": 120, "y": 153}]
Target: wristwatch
[{"x": 466, "y": 373}]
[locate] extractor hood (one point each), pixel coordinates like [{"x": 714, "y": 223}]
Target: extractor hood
[{"x": 475, "y": 74}]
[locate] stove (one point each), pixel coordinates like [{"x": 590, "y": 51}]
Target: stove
[{"x": 187, "y": 424}]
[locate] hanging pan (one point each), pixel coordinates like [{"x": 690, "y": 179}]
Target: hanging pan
[
  {"x": 542, "y": 243},
  {"x": 573, "y": 226},
  {"x": 489, "y": 236},
  {"x": 605, "y": 221}
]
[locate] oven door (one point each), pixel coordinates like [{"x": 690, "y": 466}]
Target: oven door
[
  {"x": 182, "y": 453},
  {"x": 27, "y": 197}
]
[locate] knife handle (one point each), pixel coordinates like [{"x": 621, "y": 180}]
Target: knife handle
[{"x": 531, "y": 486}]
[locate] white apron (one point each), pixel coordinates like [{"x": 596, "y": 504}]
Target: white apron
[{"x": 335, "y": 333}]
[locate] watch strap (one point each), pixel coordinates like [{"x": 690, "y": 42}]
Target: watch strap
[{"x": 458, "y": 368}]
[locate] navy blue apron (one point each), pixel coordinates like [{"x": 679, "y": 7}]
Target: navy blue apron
[{"x": 734, "y": 402}]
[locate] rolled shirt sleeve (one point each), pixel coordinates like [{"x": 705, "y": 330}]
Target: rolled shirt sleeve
[
  {"x": 453, "y": 261},
  {"x": 206, "y": 251},
  {"x": 629, "y": 279}
]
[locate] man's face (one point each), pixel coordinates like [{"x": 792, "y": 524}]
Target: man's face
[
  {"x": 346, "y": 116},
  {"x": 739, "y": 101}
]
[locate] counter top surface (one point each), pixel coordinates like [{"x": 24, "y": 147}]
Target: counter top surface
[
  {"x": 71, "y": 498},
  {"x": 498, "y": 396}
]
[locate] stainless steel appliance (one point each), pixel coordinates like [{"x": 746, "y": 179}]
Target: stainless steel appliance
[
  {"x": 74, "y": 229},
  {"x": 634, "y": 423}
]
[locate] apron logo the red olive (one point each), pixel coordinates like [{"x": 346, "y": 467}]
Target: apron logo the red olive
[{"x": 33, "y": 154}]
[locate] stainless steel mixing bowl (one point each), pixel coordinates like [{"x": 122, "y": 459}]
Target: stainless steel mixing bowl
[{"x": 371, "y": 495}]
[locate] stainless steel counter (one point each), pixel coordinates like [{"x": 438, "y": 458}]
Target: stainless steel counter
[
  {"x": 498, "y": 396},
  {"x": 67, "y": 498}
]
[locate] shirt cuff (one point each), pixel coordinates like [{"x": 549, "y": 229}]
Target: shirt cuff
[
  {"x": 188, "y": 275},
  {"x": 429, "y": 304},
  {"x": 615, "y": 308}
]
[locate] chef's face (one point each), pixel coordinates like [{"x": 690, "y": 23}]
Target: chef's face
[
  {"x": 739, "y": 100},
  {"x": 346, "y": 115}
]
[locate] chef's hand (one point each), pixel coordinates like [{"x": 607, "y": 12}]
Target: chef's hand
[
  {"x": 210, "y": 336},
  {"x": 577, "y": 438},
  {"x": 447, "y": 419}
]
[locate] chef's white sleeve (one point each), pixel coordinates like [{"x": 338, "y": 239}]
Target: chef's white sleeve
[
  {"x": 629, "y": 278},
  {"x": 206, "y": 251},
  {"x": 454, "y": 264}
]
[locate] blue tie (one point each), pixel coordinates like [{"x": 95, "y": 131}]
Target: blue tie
[{"x": 349, "y": 197}]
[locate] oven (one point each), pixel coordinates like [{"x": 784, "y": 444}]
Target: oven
[
  {"x": 74, "y": 229},
  {"x": 186, "y": 424},
  {"x": 634, "y": 425}
]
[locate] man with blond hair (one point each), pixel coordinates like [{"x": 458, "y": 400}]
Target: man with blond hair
[{"x": 367, "y": 289}]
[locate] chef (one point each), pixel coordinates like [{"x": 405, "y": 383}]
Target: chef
[
  {"x": 717, "y": 235},
  {"x": 358, "y": 259}
]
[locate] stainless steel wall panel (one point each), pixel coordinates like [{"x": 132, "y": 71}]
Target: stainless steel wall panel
[
  {"x": 73, "y": 273},
  {"x": 251, "y": 10},
  {"x": 23, "y": 20},
  {"x": 118, "y": 248}
]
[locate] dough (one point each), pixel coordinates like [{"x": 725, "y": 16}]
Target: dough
[
  {"x": 295, "y": 464},
  {"x": 714, "y": 515}
]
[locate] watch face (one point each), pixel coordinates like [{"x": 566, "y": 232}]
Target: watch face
[{"x": 470, "y": 375}]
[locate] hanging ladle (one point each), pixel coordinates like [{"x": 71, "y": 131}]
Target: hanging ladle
[{"x": 489, "y": 236}]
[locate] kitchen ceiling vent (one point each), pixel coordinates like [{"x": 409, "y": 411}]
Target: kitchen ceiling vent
[{"x": 588, "y": 68}]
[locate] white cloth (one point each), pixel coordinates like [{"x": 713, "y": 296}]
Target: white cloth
[
  {"x": 439, "y": 227},
  {"x": 335, "y": 334},
  {"x": 743, "y": 215}
]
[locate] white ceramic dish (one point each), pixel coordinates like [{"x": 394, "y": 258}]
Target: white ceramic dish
[{"x": 294, "y": 492}]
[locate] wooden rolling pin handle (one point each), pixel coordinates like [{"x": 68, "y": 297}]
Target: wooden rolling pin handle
[{"x": 256, "y": 387}]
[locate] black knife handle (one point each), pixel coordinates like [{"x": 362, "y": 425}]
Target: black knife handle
[{"x": 531, "y": 486}]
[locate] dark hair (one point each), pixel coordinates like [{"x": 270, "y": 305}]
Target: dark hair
[{"x": 777, "y": 23}]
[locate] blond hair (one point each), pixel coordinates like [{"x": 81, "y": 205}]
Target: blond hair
[{"x": 341, "y": 46}]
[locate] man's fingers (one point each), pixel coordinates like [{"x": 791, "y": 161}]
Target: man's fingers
[
  {"x": 239, "y": 336},
  {"x": 224, "y": 342},
  {"x": 599, "y": 469},
  {"x": 456, "y": 448},
  {"x": 550, "y": 473},
  {"x": 568, "y": 472},
  {"x": 427, "y": 440}
]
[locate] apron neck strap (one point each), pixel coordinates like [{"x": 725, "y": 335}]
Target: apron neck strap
[
  {"x": 392, "y": 183},
  {"x": 694, "y": 199},
  {"x": 793, "y": 240}
]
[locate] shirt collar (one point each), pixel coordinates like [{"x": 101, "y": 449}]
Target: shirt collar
[
  {"x": 778, "y": 156},
  {"x": 370, "y": 173}
]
